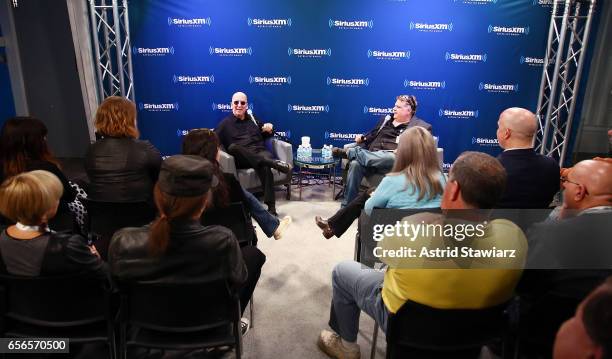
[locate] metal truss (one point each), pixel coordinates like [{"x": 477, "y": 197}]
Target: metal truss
[
  {"x": 111, "y": 42},
  {"x": 567, "y": 42}
]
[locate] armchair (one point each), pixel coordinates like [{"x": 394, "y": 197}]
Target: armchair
[{"x": 248, "y": 178}]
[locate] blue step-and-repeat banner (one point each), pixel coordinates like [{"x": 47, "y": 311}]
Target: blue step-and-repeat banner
[{"x": 330, "y": 69}]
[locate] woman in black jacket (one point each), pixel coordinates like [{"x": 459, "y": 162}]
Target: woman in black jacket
[{"x": 120, "y": 167}]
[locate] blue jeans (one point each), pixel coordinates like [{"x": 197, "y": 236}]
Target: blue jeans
[
  {"x": 356, "y": 288},
  {"x": 266, "y": 221},
  {"x": 363, "y": 162}
]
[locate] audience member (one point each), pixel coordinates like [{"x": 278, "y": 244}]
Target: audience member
[
  {"x": 476, "y": 180},
  {"x": 120, "y": 167},
  {"x": 532, "y": 178},
  {"x": 176, "y": 247},
  {"x": 416, "y": 181},
  {"x": 23, "y": 147},
  {"x": 205, "y": 143},
  {"x": 243, "y": 137},
  {"x": 588, "y": 334},
  {"x": 373, "y": 152},
  {"x": 570, "y": 256},
  {"x": 29, "y": 247}
]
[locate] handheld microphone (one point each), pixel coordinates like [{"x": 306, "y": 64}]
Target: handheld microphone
[
  {"x": 387, "y": 118},
  {"x": 250, "y": 113}
]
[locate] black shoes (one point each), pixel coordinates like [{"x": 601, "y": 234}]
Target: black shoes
[
  {"x": 324, "y": 225},
  {"x": 280, "y": 166},
  {"x": 339, "y": 152}
]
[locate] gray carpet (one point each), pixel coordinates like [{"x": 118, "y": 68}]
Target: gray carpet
[{"x": 293, "y": 296}]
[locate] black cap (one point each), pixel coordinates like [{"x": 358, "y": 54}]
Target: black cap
[{"x": 186, "y": 176}]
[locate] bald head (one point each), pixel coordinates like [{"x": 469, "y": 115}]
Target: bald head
[
  {"x": 239, "y": 105},
  {"x": 516, "y": 128},
  {"x": 589, "y": 185}
]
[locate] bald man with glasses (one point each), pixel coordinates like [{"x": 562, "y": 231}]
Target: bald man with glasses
[{"x": 243, "y": 136}]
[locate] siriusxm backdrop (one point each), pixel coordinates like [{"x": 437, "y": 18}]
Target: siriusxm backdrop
[{"x": 329, "y": 69}]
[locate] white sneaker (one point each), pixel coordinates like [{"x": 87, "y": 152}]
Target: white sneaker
[
  {"x": 278, "y": 234},
  {"x": 245, "y": 325},
  {"x": 331, "y": 344}
]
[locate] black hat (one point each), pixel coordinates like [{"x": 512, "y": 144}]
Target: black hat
[{"x": 186, "y": 176}]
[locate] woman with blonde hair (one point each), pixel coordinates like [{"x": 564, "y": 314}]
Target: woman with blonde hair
[
  {"x": 29, "y": 247},
  {"x": 120, "y": 167},
  {"x": 416, "y": 181}
]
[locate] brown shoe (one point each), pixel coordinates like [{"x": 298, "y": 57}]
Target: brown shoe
[
  {"x": 339, "y": 152},
  {"x": 327, "y": 231}
]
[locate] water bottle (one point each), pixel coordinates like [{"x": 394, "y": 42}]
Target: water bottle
[{"x": 300, "y": 152}]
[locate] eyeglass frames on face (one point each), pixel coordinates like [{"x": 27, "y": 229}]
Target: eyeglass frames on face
[
  {"x": 239, "y": 102},
  {"x": 564, "y": 179}
]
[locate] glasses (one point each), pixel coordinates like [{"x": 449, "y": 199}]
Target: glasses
[
  {"x": 239, "y": 102},
  {"x": 205, "y": 130},
  {"x": 564, "y": 179}
]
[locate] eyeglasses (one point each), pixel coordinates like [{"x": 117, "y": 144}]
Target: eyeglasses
[
  {"x": 205, "y": 130},
  {"x": 564, "y": 179},
  {"x": 239, "y": 102}
]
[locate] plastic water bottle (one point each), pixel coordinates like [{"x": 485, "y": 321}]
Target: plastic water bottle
[
  {"x": 300, "y": 152},
  {"x": 326, "y": 151},
  {"x": 308, "y": 151}
]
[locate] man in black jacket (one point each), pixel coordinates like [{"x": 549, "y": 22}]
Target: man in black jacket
[
  {"x": 374, "y": 151},
  {"x": 533, "y": 179},
  {"x": 243, "y": 137}
]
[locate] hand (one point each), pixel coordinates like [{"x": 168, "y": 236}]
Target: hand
[
  {"x": 267, "y": 127},
  {"x": 359, "y": 138},
  {"x": 94, "y": 251}
]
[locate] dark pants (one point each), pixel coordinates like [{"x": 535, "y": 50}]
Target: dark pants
[
  {"x": 258, "y": 159},
  {"x": 254, "y": 260},
  {"x": 343, "y": 219}
]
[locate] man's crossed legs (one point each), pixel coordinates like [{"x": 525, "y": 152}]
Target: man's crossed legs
[{"x": 362, "y": 163}]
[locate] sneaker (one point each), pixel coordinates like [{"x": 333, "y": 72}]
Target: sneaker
[
  {"x": 339, "y": 152},
  {"x": 245, "y": 325},
  {"x": 278, "y": 233},
  {"x": 331, "y": 344}
]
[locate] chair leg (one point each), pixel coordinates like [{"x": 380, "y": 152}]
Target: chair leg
[
  {"x": 251, "y": 312},
  {"x": 374, "y": 337}
]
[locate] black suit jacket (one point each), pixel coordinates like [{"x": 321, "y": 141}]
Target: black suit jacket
[{"x": 533, "y": 179}]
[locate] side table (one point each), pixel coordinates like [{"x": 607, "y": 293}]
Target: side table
[{"x": 316, "y": 162}]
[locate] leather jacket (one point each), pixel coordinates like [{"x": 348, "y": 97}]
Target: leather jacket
[
  {"x": 121, "y": 170},
  {"x": 194, "y": 253},
  {"x": 49, "y": 254}
]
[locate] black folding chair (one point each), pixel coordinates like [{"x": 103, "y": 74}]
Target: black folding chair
[
  {"x": 419, "y": 331},
  {"x": 77, "y": 307},
  {"x": 236, "y": 218},
  {"x": 185, "y": 316},
  {"x": 105, "y": 218}
]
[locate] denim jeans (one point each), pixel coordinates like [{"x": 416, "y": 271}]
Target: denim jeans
[
  {"x": 266, "y": 221},
  {"x": 363, "y": 162},
  {"x": 356, "y": 288}
]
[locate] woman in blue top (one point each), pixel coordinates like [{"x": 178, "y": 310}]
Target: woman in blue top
[{"x": 415, "y": 181}]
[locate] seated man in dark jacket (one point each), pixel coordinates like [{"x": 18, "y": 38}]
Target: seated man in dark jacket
[
  {"x": 570, "y": 256},
  {"x": 243, "y": 137},
  {"x": 533, "y": 179},
  {"x": 373, "y": 152},
  {"x": 176, "y": 248}
]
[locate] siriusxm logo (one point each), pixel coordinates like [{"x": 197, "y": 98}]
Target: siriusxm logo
[
  {"x": 354, "y": 25},
  {"x": 357, "y": 82},
  {"x": 484, "y": 141},
  {"x": 377, "y": 110},
  {"x": 458, "y": 114},
  {"x": 477, "y": 2},
  {"x": 307, "y": 109},
  {"x": 180, "y": 132},
  {"x": 309, "y": 52},
  {"x": 193, "y": 80},
  {"x": 278, "y": 80},
  {"x": 269, "y": 23},
  {"x": 341, "y": 136},
  {"x": 389, "y": 55},
  {"x": 194, "y": 22},
  {"x": 532, "y": 61},
  {"x": 158, "y": 107},
  {"x": 512, "y": 30},
  {"x": 425, "y": 85},
  {"x": 543, "y": 3},
  {"x": 153, "y": 51},
  {"x": 230, "y": 51},
  {"x": 498, "y": 87},
  {"x": 425, "y": 27},
  {"x": 286, "y": 134},
  {"x": 226, "y": 107},
  {"x": 472, "y": 58},
  {"x": 446, "y": 166}
]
